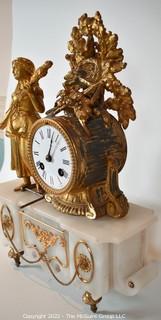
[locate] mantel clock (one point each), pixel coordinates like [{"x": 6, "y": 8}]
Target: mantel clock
[{"x": 76, "y": 157}]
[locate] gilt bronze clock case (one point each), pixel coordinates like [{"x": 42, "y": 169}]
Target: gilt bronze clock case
[
  {"x": 92, "y": 189},
  {"x": 94, "y": 139}
]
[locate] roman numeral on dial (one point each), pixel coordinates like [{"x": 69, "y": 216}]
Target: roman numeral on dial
[
  {"x": 59, "y": 180},
  {"x": 57, "y": 137},
  {"x": 66, "y": 162},
  {"x": 37, "y": 142},
  {"x": 65, "y": 174},
  {"x": 49, "y": 133},
  {"x": 41, "y": 134},
  {"x": 44, "y": 174},
  {"x": 38, "y": 164},
  {"x": 63, "y": 149},
  {"x": 51, "y": 180},
  {"x": 36, "y": 153}
]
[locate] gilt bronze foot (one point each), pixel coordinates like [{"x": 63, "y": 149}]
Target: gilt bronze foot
[
  {"x": 87, "y": 299},
  {"x": 16, "y": 256}
]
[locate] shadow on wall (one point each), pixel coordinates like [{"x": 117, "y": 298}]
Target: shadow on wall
[
  {"x": 2, "y": 110},
  {"x": 1, "y": 152}
]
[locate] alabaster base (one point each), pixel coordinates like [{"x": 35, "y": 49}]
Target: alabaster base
[{"x": 95, "y": 255}]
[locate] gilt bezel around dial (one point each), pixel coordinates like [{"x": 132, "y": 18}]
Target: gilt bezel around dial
[{"x": 58, "y": 125}]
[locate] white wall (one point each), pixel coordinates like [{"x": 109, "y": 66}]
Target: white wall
[
  {"x": 41, "y": 29},
  {"x": 5, "y": 41},
  {"x": 5, "y": 59}
]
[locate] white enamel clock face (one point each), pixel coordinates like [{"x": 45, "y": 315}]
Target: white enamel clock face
[{"x": 52, "y": 157}]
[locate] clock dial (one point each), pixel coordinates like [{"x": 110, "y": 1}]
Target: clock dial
[{"x": 52, "y": 156}]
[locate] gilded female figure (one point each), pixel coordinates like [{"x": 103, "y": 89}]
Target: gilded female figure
[{"x": 27, "y": 102}]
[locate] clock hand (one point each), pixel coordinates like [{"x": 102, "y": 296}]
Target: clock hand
[{"x": 48, "y": 156}]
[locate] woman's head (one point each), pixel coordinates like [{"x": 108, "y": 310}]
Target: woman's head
[{"x": 22, "y": 68}]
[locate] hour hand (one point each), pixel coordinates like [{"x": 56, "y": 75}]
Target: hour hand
[{"x": 48, "y": 156}]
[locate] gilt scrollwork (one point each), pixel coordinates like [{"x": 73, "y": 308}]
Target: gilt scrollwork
[
  {"x": 7, "y": 221},
  {"x": 84, "y": 263},
  {"x": 94, "y": 60},
  {"x": 46, "y": 238}
]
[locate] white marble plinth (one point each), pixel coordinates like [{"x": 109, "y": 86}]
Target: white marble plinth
[{"x": 120, "y": 249}]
